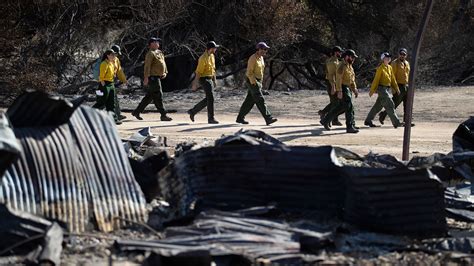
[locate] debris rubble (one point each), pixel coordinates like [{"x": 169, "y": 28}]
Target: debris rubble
[{"x": 68, "y": 180}]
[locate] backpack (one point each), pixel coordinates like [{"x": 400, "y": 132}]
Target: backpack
[{"x": 96, "y": 68}]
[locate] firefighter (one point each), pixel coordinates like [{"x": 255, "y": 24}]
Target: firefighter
[
  {"x": 154, "y": 71},
  {"x": 345, "y": 86},
  {"x": 331, "y": 66},
  {"x": 206, "y": 79},
  {"x": 384, "y": 84},
  {"x": 121, "y": 76},
  {"x": 401, "y": 70},
  {"x": 254, "y": 73}
]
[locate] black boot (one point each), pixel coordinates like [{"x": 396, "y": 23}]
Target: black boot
[
  {"x": 325, "y": 124},
  {"x": 336, "y": 122},
  {"x": 137, "y": 115},
  {"x": 270, "y": 120},
  {"x": 191, "y": 115},
  {"x": 241, "y": 121},
  {"x": 402, "y": 124},
  {"x": 164, "y": 117},
  {"x": 212, "y": 121},
  {"x": 352, "y": 130},
  {"x": 369, "y": 123}
]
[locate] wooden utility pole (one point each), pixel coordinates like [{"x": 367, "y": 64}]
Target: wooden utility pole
[{"x": 411, "y": 83}]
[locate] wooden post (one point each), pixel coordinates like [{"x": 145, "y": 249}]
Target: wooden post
[{"x": 411, "y": 83}]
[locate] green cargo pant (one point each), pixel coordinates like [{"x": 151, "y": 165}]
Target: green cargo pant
[
  {"x": 384, "y": 101},
  {"x": 342, "y": 105},
  {"x": 332, "y": 101},
  {"x": 254, "y": 97},
  {"x": 207, "y": 84},
  {"x": 107, "y": 100},
  {"x": 118, "y": 112},
  {"x": 397, "y": 99},
  {"x": 154, "y": 94}
]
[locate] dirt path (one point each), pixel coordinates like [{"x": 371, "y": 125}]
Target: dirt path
[{"x": 437, "y": 114}]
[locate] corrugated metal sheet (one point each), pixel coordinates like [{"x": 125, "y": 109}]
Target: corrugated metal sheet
[
  {"x": 459, "y": 203},
  {"x": 253, "y": 238},
  {"x": 10, "y": 148},
  {"x": 247, "y": 172},
  {"x": 400, "y": 201},
  {"x": 36, "y": 108},
  {"x": 238, "y": 176},
  {"x": 76, "y": 172}
]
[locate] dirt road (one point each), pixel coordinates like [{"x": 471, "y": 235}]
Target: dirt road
[{"x": 437, "y": 113}]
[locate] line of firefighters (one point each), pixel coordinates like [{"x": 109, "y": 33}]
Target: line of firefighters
[
  {"x": 389, "y": 79},
  {"x": 340, "y": 75}
]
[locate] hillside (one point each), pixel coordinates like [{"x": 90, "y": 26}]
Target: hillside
[{"x": 50, "y": 45}]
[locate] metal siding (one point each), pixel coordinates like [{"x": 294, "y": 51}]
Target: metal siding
[
  {"x": 295, "y": 178},
  {"x": 76, "y": 172}
]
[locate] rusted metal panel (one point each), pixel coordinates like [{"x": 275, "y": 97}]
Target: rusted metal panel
[{"x": 75, "y": 172}]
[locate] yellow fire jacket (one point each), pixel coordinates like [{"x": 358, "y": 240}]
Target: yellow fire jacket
[
  {"x": 107, "y": 71},
  {"x": 384, "y": 77},
  {"x": 345, "y": 75},
  {"x": 206, "y": 65},
  {"x": 401, "y": 70},
  {"x": 331, "y": 68},
  {"x": 255, "y": 68},
  {"x": 119, "y": 71}
]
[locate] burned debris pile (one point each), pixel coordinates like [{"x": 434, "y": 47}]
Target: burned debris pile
[
  {"x": 365, "y": 199},
  {"x": 460, "y": 198},
  {"x": 25, "y": 234},
  {"x": 147, "y": 156},
  {"x": 235, "y": 237},
  {"x": 244, "y": 171},
  {"x": 248, "y": 199}
]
